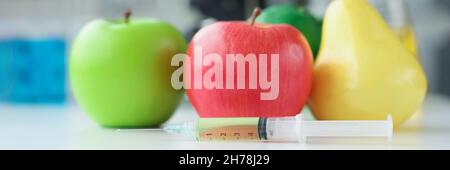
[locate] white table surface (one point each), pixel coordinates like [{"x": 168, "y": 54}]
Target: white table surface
[{"x": 67, "y": 127}]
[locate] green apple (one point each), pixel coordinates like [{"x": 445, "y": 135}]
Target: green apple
[
  {"x": 298, "y": 17},
  {"x": 120, "y": 71}
]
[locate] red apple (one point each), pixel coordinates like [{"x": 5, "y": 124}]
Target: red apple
[{"x": 224, "y": 38}]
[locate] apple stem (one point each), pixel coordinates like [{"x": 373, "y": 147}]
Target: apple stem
[
  {"x": 255, "y": 14},
  {"x": 127, "y": 15}
]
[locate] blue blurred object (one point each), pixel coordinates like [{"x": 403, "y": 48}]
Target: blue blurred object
[{"x": 33, "y": 70}]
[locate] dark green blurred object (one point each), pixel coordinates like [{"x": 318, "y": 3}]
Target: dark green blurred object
[{"x": 298, "y": 17}]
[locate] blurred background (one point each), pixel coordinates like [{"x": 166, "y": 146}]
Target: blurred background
[{"x": 36, "y": 35}]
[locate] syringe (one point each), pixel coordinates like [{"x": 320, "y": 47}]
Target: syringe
[{"x": 286, "y": 129}]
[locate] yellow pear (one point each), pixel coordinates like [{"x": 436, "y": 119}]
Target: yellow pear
[
  {"x": 408, "y": 37},
  {"x": 364, "y": 72}
]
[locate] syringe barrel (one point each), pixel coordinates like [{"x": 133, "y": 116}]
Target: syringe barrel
[
  {"x": 285, "y": 129},
  {"x": 281, "y": 129},
  {"x": 375, "y": 128}
]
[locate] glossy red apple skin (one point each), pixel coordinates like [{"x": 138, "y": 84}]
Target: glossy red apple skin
[{"x": 295, "y": 68}]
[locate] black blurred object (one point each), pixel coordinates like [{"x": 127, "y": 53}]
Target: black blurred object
[
  {"x": 218, "y": 9},
  {"x": 296, "y": 2},
  {"x": 226, "y": 10},
  {"x": 444, "y": 69},
  {"x": 221, "y": 9}
]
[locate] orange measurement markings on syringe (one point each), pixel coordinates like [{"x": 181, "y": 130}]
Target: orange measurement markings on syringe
[{"x": 243, "y": 132}]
